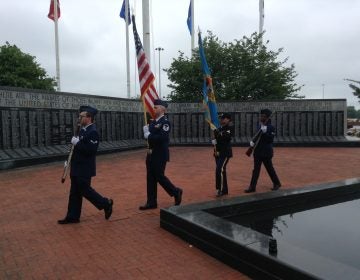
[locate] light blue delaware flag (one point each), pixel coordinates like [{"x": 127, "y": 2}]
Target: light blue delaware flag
[{"x": 211, "y": 114}]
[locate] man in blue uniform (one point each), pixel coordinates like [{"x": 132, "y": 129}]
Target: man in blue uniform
[
  {"x": 263, "y": 152},
  {"x": 222, "y": 152},
  {"x": 157, "y": 134},
  {"x": 83, "y": 167}
]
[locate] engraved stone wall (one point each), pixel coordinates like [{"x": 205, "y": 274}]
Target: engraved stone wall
[{"x": 37, "y": 123}]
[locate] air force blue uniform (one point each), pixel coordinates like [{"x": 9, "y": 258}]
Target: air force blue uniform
[
  {"x": 156, "y": 160},
  {"x": 83, "y": 167},
  {"x": 263, "y": 153},
  {"x": 83, "y": 163}
]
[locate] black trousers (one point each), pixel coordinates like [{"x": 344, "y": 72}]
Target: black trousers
[
  {"x": 220, "y": 174},
  {"x": 80, "y": 187},
  {"x": 155, "y": 173},
  {"x": 267, "y": 161}
]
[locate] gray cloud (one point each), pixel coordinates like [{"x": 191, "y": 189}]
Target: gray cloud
[{"x": 320, "y": 37}]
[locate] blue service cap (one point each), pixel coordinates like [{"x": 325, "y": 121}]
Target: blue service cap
[
  {"x": 266, "y": 112},
  {"x": 161, "y": 102},
  {"x": 225, "y": 116},
  {"x": 91, "y": 110}
]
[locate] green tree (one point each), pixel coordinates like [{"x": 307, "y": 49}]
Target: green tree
[
  {"x": 18, "y": 69},
  {"x": 241, "y": 70},
  {"x": 351, "y": 112},
  {"x": 356, "y": 89}
]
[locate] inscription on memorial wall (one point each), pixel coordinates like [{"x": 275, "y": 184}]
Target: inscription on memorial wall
[{"x": 65, "y": 101}]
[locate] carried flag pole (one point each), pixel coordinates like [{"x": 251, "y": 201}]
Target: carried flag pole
[
  {"x": 54, "y": 14},
  {"x": 146, "y": 76}
]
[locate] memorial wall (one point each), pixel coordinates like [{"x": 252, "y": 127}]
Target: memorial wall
[{"x": 36, "y": 124}]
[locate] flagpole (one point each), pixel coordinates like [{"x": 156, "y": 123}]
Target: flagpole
[
  {"x": 133, "y": 11},
  {"x": 127, "y": 48},
  {"x": 192, "y": 27},
  {"x": 57, "y": 45},
  {"x": 146, "y": 29},
  {"x": 261, "y": 17}
]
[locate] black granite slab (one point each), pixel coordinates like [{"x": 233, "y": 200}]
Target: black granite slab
[
  {"x": 3, "y": 156},
  {"x": 204, "y": 225},
  {"x": 30, "y": 152}
]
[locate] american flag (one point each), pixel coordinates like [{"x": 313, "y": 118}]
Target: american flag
[
  {"x": 51, "y": 14},
  {"x": 146, "y": 77}
]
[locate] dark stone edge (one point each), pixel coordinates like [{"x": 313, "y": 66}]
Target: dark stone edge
[{"x": 242, "y": 257}]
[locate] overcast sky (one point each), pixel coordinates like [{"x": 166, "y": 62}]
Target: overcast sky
[{"x": 321, "y": 37}]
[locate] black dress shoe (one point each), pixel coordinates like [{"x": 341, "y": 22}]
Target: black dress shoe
[
  {"x": 108, "y": 209},
  {"x": 220, "y": 193},
  {"x": 148, "y": 206},
  {"x": 249, "y": 190},
  {"x": 178, "y": 196},
  {"x": 275, "y": 187},
  {"x": 68, "y": 221}
]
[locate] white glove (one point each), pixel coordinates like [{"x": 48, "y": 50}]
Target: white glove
[
  {"x": 252, "y": 144},
  {"x": 214, "y": 142},
  {"x": 74, "y": 140},
  {"x": 65, "y": 164},
  {"x": 263, "y": 128},
  {"x": 146, "y": 131}
]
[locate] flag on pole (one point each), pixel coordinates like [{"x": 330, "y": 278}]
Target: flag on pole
[
  {"x": 146, "y": 77},
  {"x": 188, "y": 21},
  {"x": 122, "y": 13},
  {"x": 211, "y": 114},
  {"x": 51, "y": 14}
]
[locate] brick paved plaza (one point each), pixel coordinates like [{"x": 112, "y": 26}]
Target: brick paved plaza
[{"x": 131, "y": 245}]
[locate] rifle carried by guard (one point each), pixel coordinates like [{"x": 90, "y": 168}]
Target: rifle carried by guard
[
  {"x": 68, "y": 161},
  {"x": 256, "y": 139}
]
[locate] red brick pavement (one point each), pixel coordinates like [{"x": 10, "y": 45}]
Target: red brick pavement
[{"x": 131, "y": 245}]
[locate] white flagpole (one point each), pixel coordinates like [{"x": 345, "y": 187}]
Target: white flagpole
[
  {"x": 135, "y": 57},
  {"x": 192, "y": 27},
  {"x": 146, "y": 29},
  {"x": 127, "y": 48},
  {"x": 261, "y": 16},
  {"x": 57, "y": 45}
]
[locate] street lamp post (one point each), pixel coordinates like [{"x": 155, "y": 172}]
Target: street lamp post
[
  {"x": 159, "y": 49},
  {"x": 323, "y": 90}
]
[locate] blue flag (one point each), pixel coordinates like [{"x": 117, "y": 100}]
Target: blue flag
[
  {"x": 122, "y": 13},
  {"x": 188, "y": 21},
  {"x": 211, "y": 114}
]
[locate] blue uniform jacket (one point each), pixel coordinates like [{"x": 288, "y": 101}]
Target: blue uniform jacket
[
  {"x": 83, "y": 162},
  {"x": 159, "y": 139},
  {"x": 223, "y": 137},
  {"x": 265, "y": 146}
]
